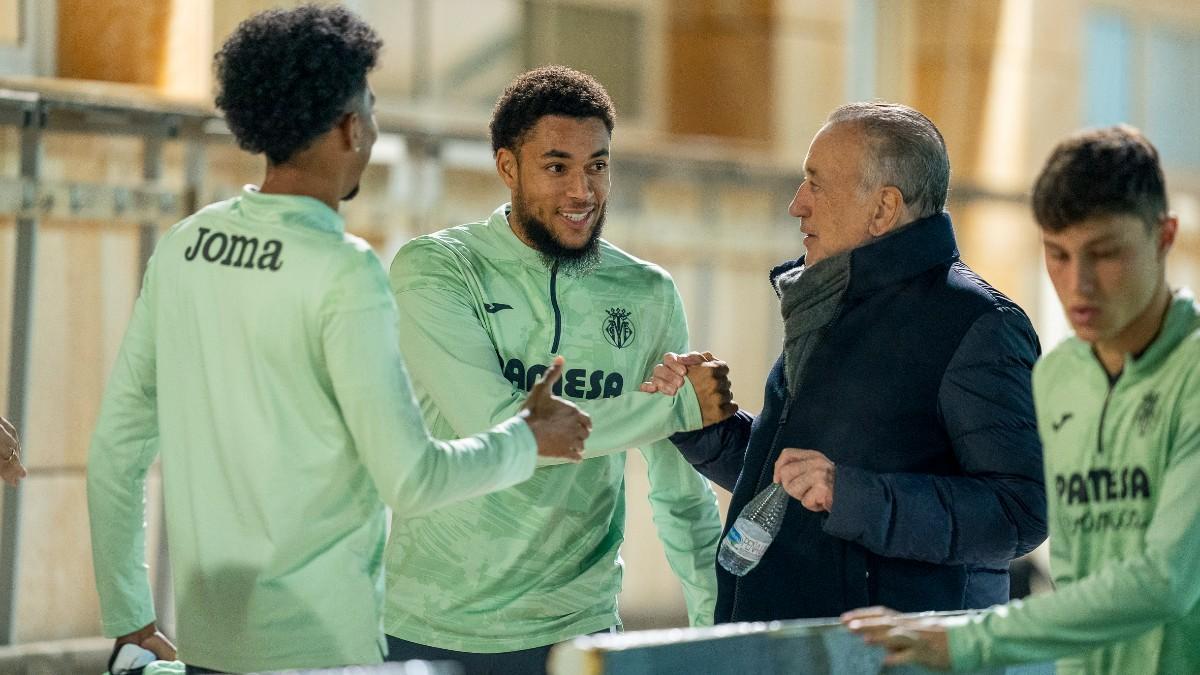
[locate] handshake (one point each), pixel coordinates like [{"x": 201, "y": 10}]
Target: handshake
[
  {"x": 709, "y": 377},
  {"x": 560, "y": 427}
]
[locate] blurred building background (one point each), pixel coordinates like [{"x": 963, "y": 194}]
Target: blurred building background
[{"x": 106, "y": 139}]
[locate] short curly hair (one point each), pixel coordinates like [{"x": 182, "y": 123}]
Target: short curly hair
[
  {"x": 285, "y": 76},
  {"x": 549, "y": 90},
  {"x": 1110, "y": 171}
]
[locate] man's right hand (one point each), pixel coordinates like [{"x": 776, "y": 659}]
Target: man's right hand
[
  {"x": 711, "y": 382},
  {"x": 149, "y": 638},
  {"x": 559, "y": 426},
  {"x": 709, "y": 377},
  {"x": 907, "y": 638},
  {"x": 11, "y": 469}
]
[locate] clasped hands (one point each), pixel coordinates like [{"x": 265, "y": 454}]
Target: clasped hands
[
  {"x": 806, "y": 475},
  {"x": 709, "y": 377}
]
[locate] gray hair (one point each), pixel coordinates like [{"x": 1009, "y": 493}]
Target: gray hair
[{"x": 904, "y": 149}]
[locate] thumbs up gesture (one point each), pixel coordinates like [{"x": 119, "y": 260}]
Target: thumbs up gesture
[{"x": 559, "y": 426}]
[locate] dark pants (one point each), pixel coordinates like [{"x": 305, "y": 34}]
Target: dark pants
[{"x": 523, "y": 662}]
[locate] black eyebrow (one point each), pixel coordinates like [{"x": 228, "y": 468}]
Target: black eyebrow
[{"x": 566, "y": 155}]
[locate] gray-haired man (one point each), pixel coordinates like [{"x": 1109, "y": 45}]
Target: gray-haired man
[{"x": 899, "y": 415}]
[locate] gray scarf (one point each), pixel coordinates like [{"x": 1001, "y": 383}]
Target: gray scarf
[{"x": 809, "y": 299}]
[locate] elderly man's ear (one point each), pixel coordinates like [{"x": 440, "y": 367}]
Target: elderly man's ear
[{"x": 890, "y": 213}]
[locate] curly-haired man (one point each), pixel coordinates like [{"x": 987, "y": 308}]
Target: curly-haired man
[
  {"x": 494, "y": 582},
  {"x": 261, "y": 361}
]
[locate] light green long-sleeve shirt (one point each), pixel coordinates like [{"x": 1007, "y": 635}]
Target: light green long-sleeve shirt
[
  {"x": 481, "y": 316},
  {"x": 1122, "y": 469},
  {"x": 261, "y": 363}
]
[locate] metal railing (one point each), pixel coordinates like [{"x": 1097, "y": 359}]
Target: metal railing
[{"x": 35, "y": 109}]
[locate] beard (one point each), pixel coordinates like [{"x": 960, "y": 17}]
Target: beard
[{"x": 576, "y": 262}]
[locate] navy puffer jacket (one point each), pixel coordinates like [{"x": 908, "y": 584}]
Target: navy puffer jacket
[{"x": 919, "y": 392}]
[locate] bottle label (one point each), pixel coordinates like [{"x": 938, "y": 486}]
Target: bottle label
[{"x": 744, "y": 543}]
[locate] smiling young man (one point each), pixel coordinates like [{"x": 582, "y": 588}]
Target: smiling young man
[
  {"x": 495, "y": 581},
  {"x": 1119, "y": 413}
]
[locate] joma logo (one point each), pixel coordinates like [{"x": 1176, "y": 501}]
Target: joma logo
[{"x": 235, "y": 250}]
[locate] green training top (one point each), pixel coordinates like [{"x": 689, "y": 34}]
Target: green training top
[
  {"x": 481, "y": 316},
  {"x": 1122, "y": 469},
  {"x": 261, "y": 363}
]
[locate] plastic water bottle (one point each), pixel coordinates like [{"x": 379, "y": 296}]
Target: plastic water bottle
[{"x": 753, "y": 531}]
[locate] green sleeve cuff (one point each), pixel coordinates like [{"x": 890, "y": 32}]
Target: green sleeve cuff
[
  {"x": 525, "y": 438},
  {"x": 116, "y": 629},
  {"x": 965, "y": 651}
]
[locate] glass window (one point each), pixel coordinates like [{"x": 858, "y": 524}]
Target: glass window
[
  {"x": 1108, "y": 51},
  {"x": 1173, "y": 95}
]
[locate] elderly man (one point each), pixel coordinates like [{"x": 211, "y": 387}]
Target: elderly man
[{"x": 899, "y": 415}]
